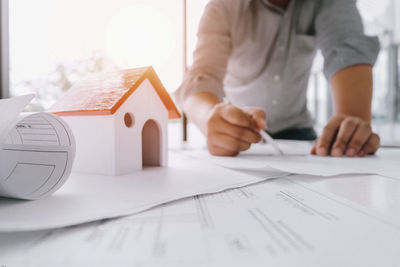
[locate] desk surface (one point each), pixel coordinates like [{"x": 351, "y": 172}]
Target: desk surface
[{"x": 300, "y": 220}]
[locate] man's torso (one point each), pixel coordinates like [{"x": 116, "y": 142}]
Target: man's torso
[{"x": 272, "y": 55}]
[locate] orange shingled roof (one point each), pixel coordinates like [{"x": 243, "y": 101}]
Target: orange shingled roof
[{"x": 103, "y": 94}]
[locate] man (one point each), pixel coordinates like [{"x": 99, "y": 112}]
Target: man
[{"x": 257, "y": 54}]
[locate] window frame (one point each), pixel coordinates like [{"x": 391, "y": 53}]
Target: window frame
[{"x": 4, "y": 50}]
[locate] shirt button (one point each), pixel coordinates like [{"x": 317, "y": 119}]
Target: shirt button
[
  {"x": 277, "y": 78},
  {"x": 282, "y": 48},
  {"x": 274, "y": 102}
]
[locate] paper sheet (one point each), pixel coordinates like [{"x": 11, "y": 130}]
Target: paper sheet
[
  {"x": 88, "y": 197},
  {"x": 37, "y": 151},
  {"x": 288, "y": 147},
  {"x": 275, "y": 223},
  {"x": 385, "y": 163},
  {"x": 10, "y": 110},
  {"x": 299, "y": 161}
]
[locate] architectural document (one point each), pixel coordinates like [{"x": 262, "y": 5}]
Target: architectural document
[
  {"x": 261, "y": 156},
  {"x": 275, "y": 223},
  {"x": 36, "y": 151},
  {"x": 88, "y": 197}
]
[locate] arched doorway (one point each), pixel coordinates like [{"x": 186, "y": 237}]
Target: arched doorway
[{"x": 151, "y": 144}]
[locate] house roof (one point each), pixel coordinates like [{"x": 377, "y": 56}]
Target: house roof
[{"x": 103, "y": 94}]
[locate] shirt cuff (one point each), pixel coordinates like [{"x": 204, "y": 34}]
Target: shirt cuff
[
  {"x": 353, "y": 51},
  {"x": 195, "y": 85}
]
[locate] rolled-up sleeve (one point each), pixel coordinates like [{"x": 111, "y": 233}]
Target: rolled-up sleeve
[
  {"x": 211, "y": 54},
  {"x": 341, "y": 37}
]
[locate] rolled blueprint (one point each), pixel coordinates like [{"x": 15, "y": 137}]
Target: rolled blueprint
[{"x": 37, "y": 151}]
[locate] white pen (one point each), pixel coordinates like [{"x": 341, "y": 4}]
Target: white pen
[{"x": 270, "y": 141}]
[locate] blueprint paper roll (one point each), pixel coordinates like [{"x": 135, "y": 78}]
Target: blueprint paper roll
[{"x": 37, "y": 151}]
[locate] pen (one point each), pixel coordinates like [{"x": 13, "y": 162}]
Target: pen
[{"x": 270, "y": 141}]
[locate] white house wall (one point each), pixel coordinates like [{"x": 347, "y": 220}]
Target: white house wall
[
  {"x": 95, "y": 148},
  {"x": 144, "y": 104}
]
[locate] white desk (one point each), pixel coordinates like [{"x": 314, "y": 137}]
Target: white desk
[{"x": 252, "y": 226}]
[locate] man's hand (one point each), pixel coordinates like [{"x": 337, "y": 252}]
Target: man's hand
[
  {"x": 346, "y": 135},
  {"x": 231, "y": 130}
]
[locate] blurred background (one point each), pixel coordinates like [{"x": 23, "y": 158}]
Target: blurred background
[{"x": 52, "y": 44}]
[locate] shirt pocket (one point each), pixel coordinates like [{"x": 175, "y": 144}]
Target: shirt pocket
[{"x": 301, "y": 55}]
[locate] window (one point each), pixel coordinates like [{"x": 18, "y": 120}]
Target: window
[{"x": 55, "y": 43}]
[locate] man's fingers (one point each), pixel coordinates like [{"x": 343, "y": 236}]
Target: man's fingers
[
  {"x": 244, "y": 134},
  {"x": 230, "y": 130},
  {"x": 258, "y": 116},
  {"x": 228, "y": 143},
  {"x": 359, "y": 139},
  {"x": 325, "y": 140},
  {"x": 371, "y": 145},
  {"x": 346, "y": 135},
  {"x": 236, "y": 116},
  {"x": 314, "y": 149},
  {"x": 346, "y": 130},
  {"x": 219, "y": 151}
]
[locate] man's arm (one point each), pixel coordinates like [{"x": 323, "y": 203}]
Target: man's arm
[
  {"x": 352, "y": 91},
  {"x": 228, "y": 129},
  {"x": 349, "y": 56},
  {"x": 210, "y": 57},
  {"x": 198, "y": 107},
  {"x": 349, "y": 131}
]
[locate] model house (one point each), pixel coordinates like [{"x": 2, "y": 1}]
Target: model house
[{"x": 119, "y": 121}]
